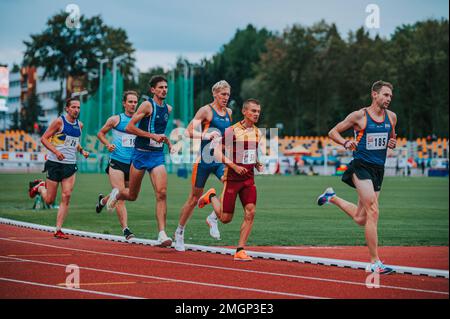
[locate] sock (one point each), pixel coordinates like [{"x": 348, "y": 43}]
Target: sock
[
  {"x": 213, "y": 215},
  {"x": 180, "y": 229},
  {"x": 162, "y": 232},
  {"x": 211, "y": 196},
  {"x": 239, "y": 249},
  {"x": 57, "y": 229}
]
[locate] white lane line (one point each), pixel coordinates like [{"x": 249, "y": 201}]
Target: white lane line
[
  {"x": 270, "y": 292},
  {"x": 232, "y": 269},
  {"x": 70, "y": 289}
]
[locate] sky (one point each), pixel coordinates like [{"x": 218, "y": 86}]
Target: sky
[{"x": 163, "y": 30}]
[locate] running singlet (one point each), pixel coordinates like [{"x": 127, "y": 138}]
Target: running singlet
[
  {"x": 244, "y": 142},
  {"x": 156, "y": 123},
  {"x": 218, "y": 122},
  {"x": 123, "y": 141},
  {"x": 373, "y": 140},
  {"x": 66, "y": 142}
]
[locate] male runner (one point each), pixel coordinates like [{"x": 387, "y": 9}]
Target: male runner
[
  {"x": 213, "y": 118},
  {"x": 149, "y": 125},
  {"x": 121, "y": 150},
  {"x": 241, "y": 143},
  {"x": 374, "y": 128},
  {"x": 62, "y": 139}
]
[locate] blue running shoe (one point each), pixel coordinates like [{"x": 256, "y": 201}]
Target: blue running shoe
[
  {"x": 326, "y": 196},
  {"x": 379, "y": 268}
]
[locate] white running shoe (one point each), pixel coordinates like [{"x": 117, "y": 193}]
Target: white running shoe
[
  {"x": 213, "y": 227},
  {"x": 179, "y": 242},
  {"x": 163, "y": 240},
  {"x": 326, "y": 196},
  {"x": 112, "y": 200}
]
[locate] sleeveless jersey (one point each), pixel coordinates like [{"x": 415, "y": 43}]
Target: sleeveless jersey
[
  {"x": 156, "y": 123},
  {"x": 218, "y": 123},
  {"x": 66, "y": 142},
  {"x": 123, "y": 141},
  {"x": 244, "y": 152},
  {"x": 373, "y": 140}
]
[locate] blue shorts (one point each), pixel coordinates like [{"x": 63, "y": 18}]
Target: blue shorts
[
  {"x": 147, "y": 159},
  {"x": 201, "y": 171}
]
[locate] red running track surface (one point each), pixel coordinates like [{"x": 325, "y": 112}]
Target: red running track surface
[{"x": 33, "y": 265}]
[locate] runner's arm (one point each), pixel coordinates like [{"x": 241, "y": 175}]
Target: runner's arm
[
  {"x": 335, "y": 133},
  {"x": 101, "y": 135},
  {"x": 54, "y": 127},
  {"x": 145, "y": 109}
]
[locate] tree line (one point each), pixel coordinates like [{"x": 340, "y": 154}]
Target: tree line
[{"x": 307, "y": 77}]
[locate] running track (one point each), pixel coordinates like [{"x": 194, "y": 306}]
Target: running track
[{"x": 33, "y": 265}]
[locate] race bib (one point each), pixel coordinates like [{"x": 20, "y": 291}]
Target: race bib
[
  {"x": 249, "y": 157},
  {"x": 128, "y": 140},
  {"x": 71, "y": 141},
  {"x": 377, "y": 141}
]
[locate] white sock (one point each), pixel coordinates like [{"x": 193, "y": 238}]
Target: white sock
[
  {"x": 162, "y": 232},
  {"x": 213, "y": 215},
  {"x": 180, "y": 229}
]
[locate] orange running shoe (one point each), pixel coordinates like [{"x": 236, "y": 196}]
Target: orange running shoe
[
  {"x": 60, "y": 235},
  {"x": 204, "y": 200},
  {"x": 242, "y": 256}
]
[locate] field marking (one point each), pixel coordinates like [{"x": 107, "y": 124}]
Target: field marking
[
  {"x": 269, "y": 292},
  {"x": 234, "y": 269},
  {"x": 71, "y": 289},
  {"x": 41, "y": 255},
  {"x": 275, "y": 256},
  {"x": 118, "y": 283}
]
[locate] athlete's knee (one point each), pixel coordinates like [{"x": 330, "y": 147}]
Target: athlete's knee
[
  {"x": 225, "y": 218},
  {"x": 65, "y": 196},
  {"x": 360, "y": 220},
  {"x": 132, "y": 196},
  {"x": 161, "y": 194},
  {"x": 250, "y": 211}
]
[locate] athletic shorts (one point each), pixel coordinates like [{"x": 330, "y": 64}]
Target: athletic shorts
[
  {"x": 364, "y": 170},
  {"x": 58, "y": 171},
  {"x": 147, "y": 160},
  {"x": 201, "y": 171},
  {"x": 246, "y": 190},
  {"x": 118, "y": 165}
]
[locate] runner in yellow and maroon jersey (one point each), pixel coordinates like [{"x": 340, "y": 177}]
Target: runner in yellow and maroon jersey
[{"x": 241, "y": 157}]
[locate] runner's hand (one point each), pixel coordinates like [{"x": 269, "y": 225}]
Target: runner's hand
[
  {"x": 85, "y": 154},
  {"x": 160, "y": 138},
  {"x": 111, "y": 147},
  {"x": 392, "y": 142},
  {"x": 60, "y": 156},
  {"x": 211, "y": 136},
  {"x": 259, "y": 167},
  {"x": 351, "y": 145},
  {"x": 239, "y": 169}
]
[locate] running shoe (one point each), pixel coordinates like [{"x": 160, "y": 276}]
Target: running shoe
[
  {"x": 99, "y": 206},
  {"x": 380, "y": 268},
  {"x": 179, "y": 242},
  {"x": 163, "y": 240},
  {"x": 326, "y": 196},
  {"x": 112, "y": 200},
  {"x": 34, "y": 186},
  {"x": 213, "y": 227},
  {"x": 242, "y": 256},
  {"x": 204, "y": 200},
  {"x": 60, "y": 235},
  {"x": 128, "y": 234}
]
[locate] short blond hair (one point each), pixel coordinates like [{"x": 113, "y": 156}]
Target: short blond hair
[{"x": 220, "y": 85}]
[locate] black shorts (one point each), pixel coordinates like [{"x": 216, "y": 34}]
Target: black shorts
[
  {"x": 124, "y": 167},
  {"x": 364, "y": 170},
  {"x": 59, "y": 171}
]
